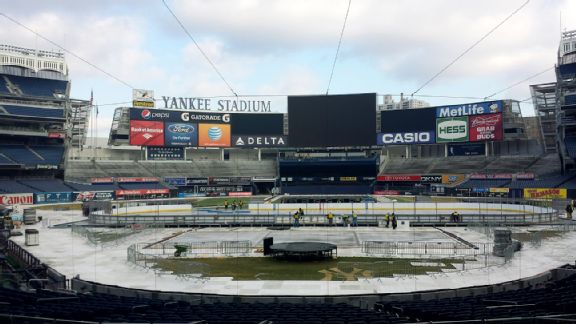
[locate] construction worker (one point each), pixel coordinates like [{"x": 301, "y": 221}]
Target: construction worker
[
  {"x": 297, "y": 219},
  {"x": 394, "y": 221},
  {"x": 225, "y": 204},
  {"x": 354, "y": 219},
  {"x": 330, "y": 218},
  {"x": 387, "y": 219},
  {"x": 455, "y": 216}
]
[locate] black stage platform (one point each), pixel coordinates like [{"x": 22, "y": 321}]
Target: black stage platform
[{"x": 303, "y": 250}]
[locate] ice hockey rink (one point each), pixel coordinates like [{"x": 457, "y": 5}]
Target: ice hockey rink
[{"x": 73, "y": 255}]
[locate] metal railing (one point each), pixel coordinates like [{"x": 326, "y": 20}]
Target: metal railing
[{"x": 437, "y": 249}]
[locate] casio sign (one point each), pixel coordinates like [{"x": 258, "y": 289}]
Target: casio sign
[{"x": 405, "y": 138}]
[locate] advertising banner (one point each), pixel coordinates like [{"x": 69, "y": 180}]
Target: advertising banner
[
  {"x": 196, "y": 181},
  {"x": 93, "y": 195},
  {"x": 387, "y": 192},
  {"x": 157, "y": 153},
  {"x": 178, "y": 116},
  {"x": 479, "y": 176},
  {"x": 219, "y": 190},
  {"x": 56, "y": 135},
  {"x": 230, "y": 180},
  {"x": 52, "y": 197},
  {"x": 478, "y": 108},
  {"x": 101, "y": 180},
  {"x": 179, "y": 182},
  {"x": 180, "y": 134},
  {"x": 142, "y": 98},
  {"x": 427, "y": 178},
  {"x": 260, "y": 141},
  {"x": 486, "y": 128},
  {"x": 137, "y": 179},
  {"x": 146, "y": 133},
  {"x": 452, "y": 178},
  {"x": 141, "y": 192},
  {"x": 214, "y": 135},
  {"x": 499, "y": 190},
  {"x": 479, "y": 190},
  {"x": 452, "y": 129},
  {"x": 398, "y": 177},
  {"x": 240, "y": 194},
  {"x": 424, "y": 137},
  {"x": 17, "y": 199},
  {"x": 545, "y": 193},
  {"x": 348, "y": 179},
  {"x": 525, "y": 176},
  {"x": 467, "y": 149}
]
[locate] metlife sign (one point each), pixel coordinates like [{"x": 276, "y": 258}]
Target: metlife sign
[
  {"x": 260, "y": 141},
  {"x": 478, "y": 108},
  {"x": 452, "y": 130},
  {"x": 406, "y": 138}
]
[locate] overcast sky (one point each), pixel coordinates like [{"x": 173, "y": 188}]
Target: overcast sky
[{"x": 287, "y": 46}]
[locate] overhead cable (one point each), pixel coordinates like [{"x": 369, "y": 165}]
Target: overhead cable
[
  {"x": 67, "y": 51},
  {"x": 470, "y": 48},
  {"x": 338, "y": 48},
  {"x": 520, "y": 82},
  {"x": 199, "y": 48}
]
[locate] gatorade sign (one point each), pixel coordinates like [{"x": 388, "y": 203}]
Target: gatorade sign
[{"x": 452, "y": 129}]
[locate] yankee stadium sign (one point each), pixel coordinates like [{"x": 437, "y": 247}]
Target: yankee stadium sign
[{"x": 209, "y": 104}]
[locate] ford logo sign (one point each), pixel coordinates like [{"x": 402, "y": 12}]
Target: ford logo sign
[
  {"x": 181, "y": 128},
  {"x": 214, "y": 133}
]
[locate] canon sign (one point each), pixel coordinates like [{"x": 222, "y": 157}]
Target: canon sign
[
  {"x": 17, "y": 199},
  {"x": 405, "y": 138}
]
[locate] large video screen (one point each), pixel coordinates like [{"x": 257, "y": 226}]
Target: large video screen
[
  {"x": 332, "y": 120},
  {"x": 264, "y": 124}
]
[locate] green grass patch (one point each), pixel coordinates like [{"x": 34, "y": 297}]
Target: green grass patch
[{"x": 268, "y": 268}]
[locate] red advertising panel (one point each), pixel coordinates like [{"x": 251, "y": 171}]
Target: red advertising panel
[
  {"x": 398, "y": 177},
  {"x": 387, "y": 192},
  {"x": 17, "y": 199},
  {"x": 141, "y": 192},
  {"x": 56, "y": 135},
  {"x": 137, "y": 179},
  {"x": 101, "y": 180},
  {"x": 486, "y": 127},
  {"x": 239, "y": 193},
  {"x": 146, "y": 133}
]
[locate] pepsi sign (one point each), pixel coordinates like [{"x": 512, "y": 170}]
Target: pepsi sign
[
  {"x": 151, "y": 114},
  {"x": 405, "y": 138}
]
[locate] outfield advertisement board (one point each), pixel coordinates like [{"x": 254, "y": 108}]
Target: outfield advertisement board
[
  {"x": 52, "y": 197},
  {"x": 165, "y": 153},
  {"x": 466, "y": 149},
  {"x": 93, "y": 195},
  {"x": 486, "y": 127},
  {"x": 260, "y": 141},
  {"x": 17, "y": 199},
  {"x": 424, "y": 137},
  {"x": 146, "y": 133},
  {"x": 477, "y": 108},
  {"x": 453, "y": 129},
  {"x": 180, "y": 134},
  {"x": 545, "y": 193},
  {"x": 214, "y": 135}
]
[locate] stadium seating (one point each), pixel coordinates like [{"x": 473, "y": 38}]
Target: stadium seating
[
  {"x": 32, "y": 112},
  {"x": 46, "y": 185},
  {"x": 6, "y": 161},
  {"x": 21, "y": 154},
  {"x": 93, "y": 187},
  {"x": 327, "y": 189},
  {"x": 50, "y": 154},
  {"x": 571, "y": 146},
  {"x": 491, "y": 183},
  {"x": 13, "y": 186},
  {"x": 556, "y": 297},
  {"x": 129, "y": 186},
  {"x": 34, "y": 87}
]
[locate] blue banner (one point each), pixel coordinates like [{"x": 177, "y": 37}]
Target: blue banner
[
  {"x": 181, "y": 134},
  {"x": 180, "y": 182},
  {"x": 52, "y": 197},
  {"x": 427, "y": 137},
  {"x": 477, "y": 108}
]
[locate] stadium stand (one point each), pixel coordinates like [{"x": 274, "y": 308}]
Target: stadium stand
[
  {"x": 31, "y": 112},
  {"x": 21, "y": 154},
  {"x": 552, "y": 298},
  {"x": 13, "y": 186},
  {"x": 34, "y": 87},
  {"x": 475, "y": 183}
]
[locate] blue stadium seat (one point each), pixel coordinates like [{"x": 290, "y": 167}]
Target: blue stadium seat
[
  {"x": 32, "y": 112},
  {"x": 21, "y": 154},
  {"x": 36, "y": 87}
]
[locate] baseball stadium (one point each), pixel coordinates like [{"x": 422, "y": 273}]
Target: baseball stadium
[{"x": 339, "y": 210}]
